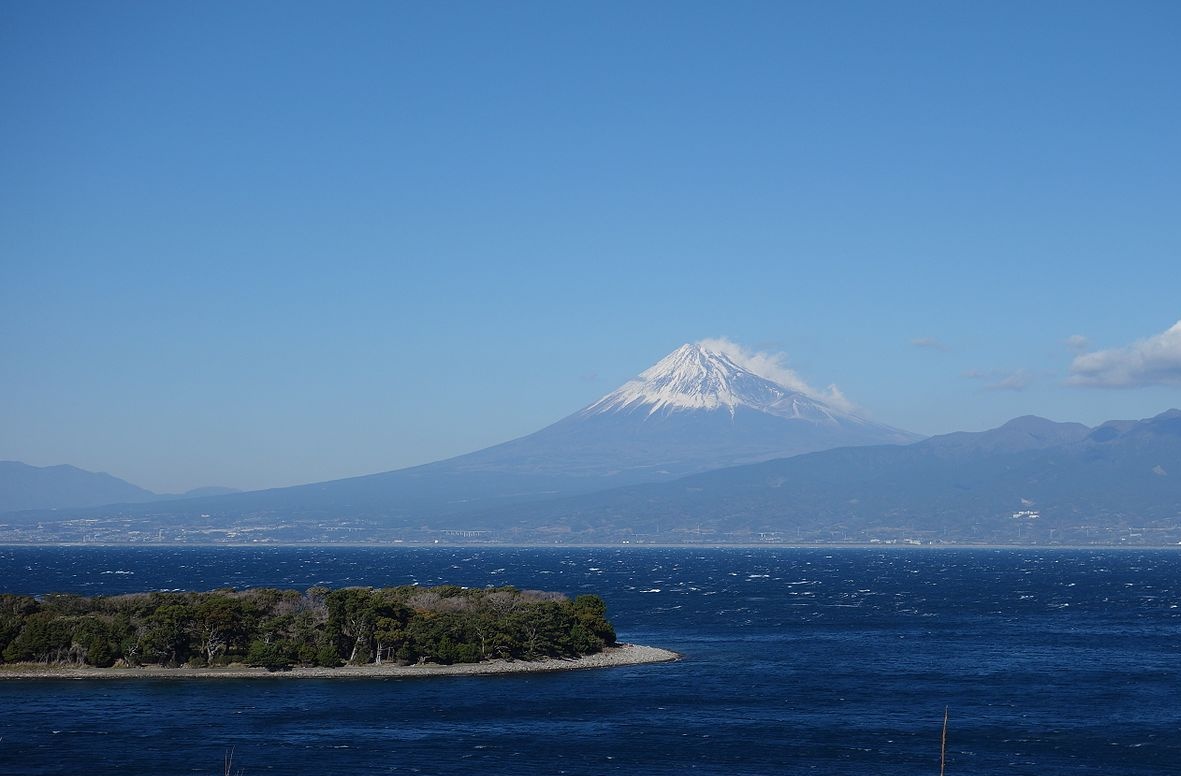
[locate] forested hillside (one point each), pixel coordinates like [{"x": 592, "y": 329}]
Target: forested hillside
[{"x": 278, "y": 629}]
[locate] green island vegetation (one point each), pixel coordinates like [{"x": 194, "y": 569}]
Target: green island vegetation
[{"x": 279, "y": 629}]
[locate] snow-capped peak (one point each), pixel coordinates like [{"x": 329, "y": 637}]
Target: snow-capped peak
[{"x": 695, "y": 377}]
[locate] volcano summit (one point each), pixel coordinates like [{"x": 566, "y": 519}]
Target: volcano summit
[{"x": 698, "y": 409}]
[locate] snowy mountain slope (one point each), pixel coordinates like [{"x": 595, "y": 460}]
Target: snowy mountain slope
[{"x": 693, "y": 377}]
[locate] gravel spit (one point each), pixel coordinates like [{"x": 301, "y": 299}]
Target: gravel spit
[{"x": 623, "y": 655}]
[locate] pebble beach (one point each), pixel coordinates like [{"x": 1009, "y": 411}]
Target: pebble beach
[{"x": 622, "y": 655}]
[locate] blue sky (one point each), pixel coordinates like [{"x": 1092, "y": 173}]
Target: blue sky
[{"x": 256, "y": 244}]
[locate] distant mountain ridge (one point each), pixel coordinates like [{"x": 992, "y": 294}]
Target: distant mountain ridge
[
  {"x": 26, "y": 487},
  {"x": 1029, "y": 481},
  {"x": 54, "y": 487},
  {"x": 1027, "y": 432},
  {"x": 1031, "y": 474}
]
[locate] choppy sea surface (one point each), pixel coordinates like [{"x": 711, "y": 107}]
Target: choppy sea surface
[{"x": 815, "y": 661}]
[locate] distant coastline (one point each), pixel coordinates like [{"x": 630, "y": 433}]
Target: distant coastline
[
  {"x": 596, "y": 546},
  {"x": 622, "y": 655}
]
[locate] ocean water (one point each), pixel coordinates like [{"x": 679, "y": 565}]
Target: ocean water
[{"x": 817, "y": 661}]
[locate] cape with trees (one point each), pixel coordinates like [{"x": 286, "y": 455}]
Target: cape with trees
[{"x": 278, "y": 629}]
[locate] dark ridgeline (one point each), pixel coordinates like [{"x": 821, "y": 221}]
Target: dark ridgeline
[
  {"x": 1029, "y": 481},
  {"x": 24, "y": 487},
  {"x": 277, "y": 629},
  {"x": 54, "y": 487}
]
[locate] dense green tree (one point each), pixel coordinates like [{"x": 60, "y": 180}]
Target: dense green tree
[
  {"x": 218, "y": 622},
  {"x": 92, "y": 642},
  {"x": 267, "y": 655},
  {"x": 391, "y": 615},
  {"x": 13, "y": 611},
  {"x": 591, "y": 612},
  {"x": 44, "y": 638},
  {"x": 352, "y": 617},
  {"x": 65, "y": 604},
  {"x": 166, "y": 635}
]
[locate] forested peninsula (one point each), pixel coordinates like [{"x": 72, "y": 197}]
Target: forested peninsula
[{"x": 319, "y": 628}]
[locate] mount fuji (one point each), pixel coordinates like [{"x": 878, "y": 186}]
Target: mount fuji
[{"x": 695, "y": 410}]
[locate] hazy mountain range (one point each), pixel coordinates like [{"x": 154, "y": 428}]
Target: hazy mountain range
[
  {"x": 702, "y": 448},
  {"x": 694, "y": 411},
  {"x": 1031, "y": 476},
  {"x": 24, "y": 487}
]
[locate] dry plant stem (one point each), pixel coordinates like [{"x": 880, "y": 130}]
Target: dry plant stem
[{"x": 943, "y": 745}]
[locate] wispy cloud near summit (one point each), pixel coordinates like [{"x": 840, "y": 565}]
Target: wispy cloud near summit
[
  {"x": 1155, "y": 360},
  {"x": 773, "y": 366}
]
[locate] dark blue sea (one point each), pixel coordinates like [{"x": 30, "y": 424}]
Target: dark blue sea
[{"x": 813, "y": 661}]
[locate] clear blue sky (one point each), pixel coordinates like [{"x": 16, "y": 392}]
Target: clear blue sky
[{"x": 264, "y": 243}]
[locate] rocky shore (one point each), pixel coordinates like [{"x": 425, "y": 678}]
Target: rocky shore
[{"x": 623, "y": 655}]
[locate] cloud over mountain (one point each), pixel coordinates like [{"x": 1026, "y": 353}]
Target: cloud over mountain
[
  {"x": 773, "y": 367},
  {"x": 1155, "y": 360}
]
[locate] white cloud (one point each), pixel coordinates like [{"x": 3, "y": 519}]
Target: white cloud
[
  {"x": 931, "y": 343},
  {"x": 834, "y": 397},
  {"x": 1013, "y": 381},
  {"x": 1155, "y": 360},
  {"x": 1077, "y": 342},
  {"x": 773, "y": 366}
]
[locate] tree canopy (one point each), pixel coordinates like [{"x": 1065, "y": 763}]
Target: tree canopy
[{"x": 278, "y": 629}]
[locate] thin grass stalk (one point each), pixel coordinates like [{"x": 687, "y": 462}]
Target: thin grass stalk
[{"x": 943, "y": 744}]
